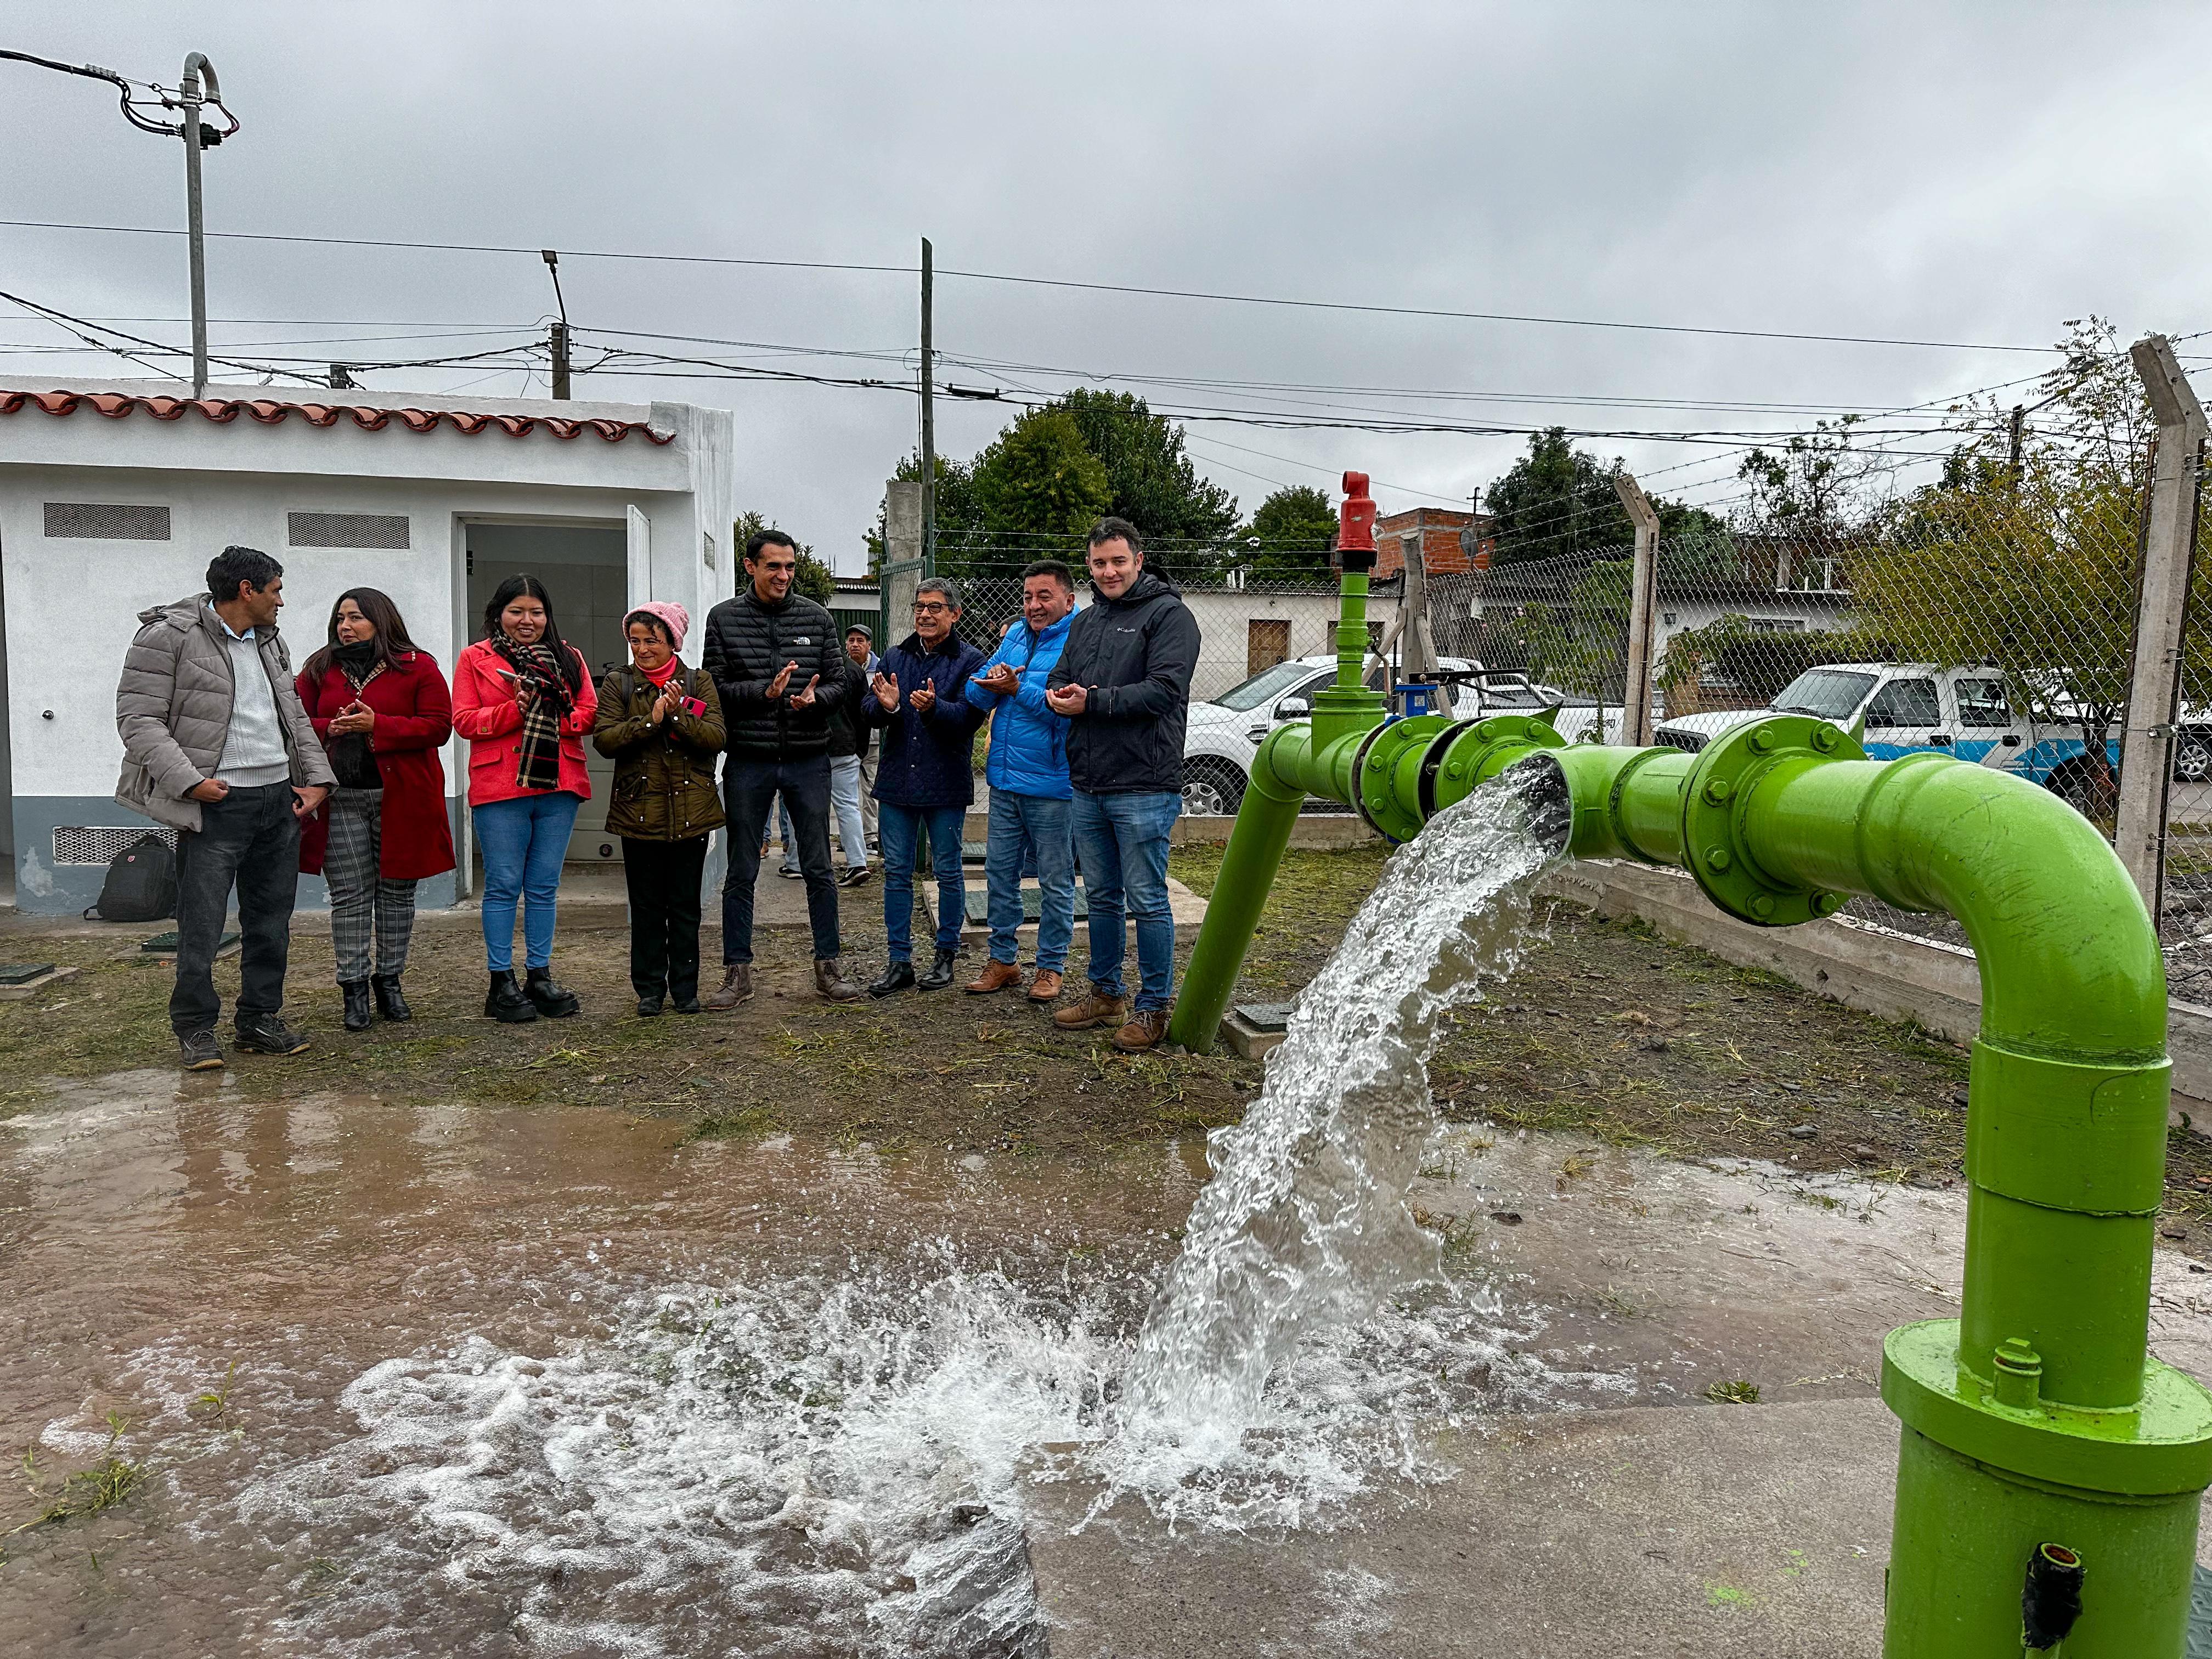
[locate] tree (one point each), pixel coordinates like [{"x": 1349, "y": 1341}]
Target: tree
[
  {"x": 1558, "y": 499},
  {"x": 1292, "y": 529},
  {"x": 1038, "y": 478},
  {"x": 1151, "y": 481},
  {"x": 815, "y": 578},
  {"x": 1811, "y": 483},
  {"x": 959, "y": 520}
]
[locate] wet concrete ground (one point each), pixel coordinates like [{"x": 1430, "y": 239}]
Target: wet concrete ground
[{"x": 396, "y": 1379}]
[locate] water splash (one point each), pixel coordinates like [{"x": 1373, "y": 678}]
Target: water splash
[{"x": 1304, "y": 1220}]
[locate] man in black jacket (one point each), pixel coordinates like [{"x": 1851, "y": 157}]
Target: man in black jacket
[
  {"x": 1123, "y": 682},
  {"x": 775, "y": 660}
]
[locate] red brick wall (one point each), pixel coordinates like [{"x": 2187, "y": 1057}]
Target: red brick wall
[{"x": 1439, "y": 530}]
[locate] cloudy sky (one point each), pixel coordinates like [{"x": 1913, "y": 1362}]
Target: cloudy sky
[{"x": 1967, "y": 174}]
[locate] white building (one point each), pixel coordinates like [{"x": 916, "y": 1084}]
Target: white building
[{"x": 115, "y": 494}]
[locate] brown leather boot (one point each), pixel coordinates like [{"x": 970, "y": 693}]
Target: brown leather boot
[
  {"x": 997, "y": 975},
  {"x": 1045, "y": 988},
  {"x": 1145, "y": 1029},
  {"x": 831, "y": 981},
  {"x": 1096, "y": 1009},
  {"x": 737, "y": 986}
]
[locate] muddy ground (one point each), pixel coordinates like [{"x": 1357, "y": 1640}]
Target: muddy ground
[{"x": 1606, "y": 1028}]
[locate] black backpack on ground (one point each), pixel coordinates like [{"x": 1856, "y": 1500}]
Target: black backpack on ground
[{"x": 141, "y": 885}]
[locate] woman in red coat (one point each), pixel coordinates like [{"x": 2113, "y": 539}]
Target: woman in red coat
[
  {"x": 523, "y": 700},
  {"x": 380, "y": 706}
]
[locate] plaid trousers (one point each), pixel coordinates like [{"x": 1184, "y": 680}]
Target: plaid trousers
[{"x": 362, "y": 902}]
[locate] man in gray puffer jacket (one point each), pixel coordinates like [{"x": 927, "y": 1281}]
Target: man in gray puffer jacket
[{"x": 216, "y": 745}]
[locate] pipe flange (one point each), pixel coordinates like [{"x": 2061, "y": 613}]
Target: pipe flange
[
  {"x": 1374, "y": 774},
  {"x": 1433, "y": 762},
  {"x": 1460, "y": 756},
  {"x": 1714, "y": 844}
]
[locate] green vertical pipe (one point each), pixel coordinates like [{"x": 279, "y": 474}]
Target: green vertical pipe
[{"x": 1264, "y": 819}]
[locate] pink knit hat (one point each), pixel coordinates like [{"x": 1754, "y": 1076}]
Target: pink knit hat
[{"x": 674, "y": 616}]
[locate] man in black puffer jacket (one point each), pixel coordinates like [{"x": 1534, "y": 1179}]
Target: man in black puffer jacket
[
  {"x": 1123, "y": 682},
  {"x": 776, "y": 661}
]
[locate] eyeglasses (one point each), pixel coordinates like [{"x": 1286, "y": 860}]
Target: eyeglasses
[{"x": 931, "y": 609}]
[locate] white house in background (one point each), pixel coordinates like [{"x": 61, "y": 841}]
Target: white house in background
[{"x": 115, "y": 494}]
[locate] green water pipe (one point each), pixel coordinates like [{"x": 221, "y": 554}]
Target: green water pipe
[{"x": 2037, "y": 1430}]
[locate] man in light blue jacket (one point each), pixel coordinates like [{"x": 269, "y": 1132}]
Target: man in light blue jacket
[{"x": 1029, "y": 788}]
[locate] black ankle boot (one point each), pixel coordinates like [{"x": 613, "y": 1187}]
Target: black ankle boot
[
  {"x": 899, "y": 976},
  {"x": 358, "y": 1014},
  {"x": 389, "y": 1002},
  {"x": 506, "y": 1001},
  {"x": 546, "y": 996},
  {"x": 940, "y": 972}
]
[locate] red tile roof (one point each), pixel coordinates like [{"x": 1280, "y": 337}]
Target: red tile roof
[{"x": 269, "y": 411}]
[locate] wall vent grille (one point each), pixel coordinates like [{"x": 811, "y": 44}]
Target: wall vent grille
[
  {"x": 99, "y": 843},
  {"x": 105, "y": 521},
  {"x": 346, "y": 529}
]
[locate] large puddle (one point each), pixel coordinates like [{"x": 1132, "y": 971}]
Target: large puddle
[{"x": 473, "y": 1380}]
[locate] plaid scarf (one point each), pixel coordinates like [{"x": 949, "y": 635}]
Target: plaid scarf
[{"x": 540, "y": 767}]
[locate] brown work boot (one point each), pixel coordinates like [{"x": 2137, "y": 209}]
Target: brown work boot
[
  {"x": 1045, "y": 988},
  {"x": 737, "y": 986},
  {"x": 1096, "y": 1009},
  {"x": 1145, "y": 1029},
  {"x": 997, "y": 975},
  {"x": 831, "y": 981}
]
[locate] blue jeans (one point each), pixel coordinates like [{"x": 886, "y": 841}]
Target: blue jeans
[
  {"x": 1122, "y": 841},
  {"x": 899, "y": 828},
  {"x": 523, "y": 841},
  {"x": 1030, "y": 832}
]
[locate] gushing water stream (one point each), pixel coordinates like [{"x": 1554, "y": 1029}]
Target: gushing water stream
[{"x": 1304, "y": 1220}]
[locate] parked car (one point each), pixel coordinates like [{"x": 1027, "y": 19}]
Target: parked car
[
  {"x": 1224, "y": 732},
  {"x": 1905, "y": 709}
]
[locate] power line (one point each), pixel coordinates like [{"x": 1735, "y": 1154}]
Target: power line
[{"x": 1068, "y": 283}]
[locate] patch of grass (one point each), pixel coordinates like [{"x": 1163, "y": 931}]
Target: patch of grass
[
  {"x": 88, "y": 1491},
  {"x": 739, "y": 1125},
  {"x": 1735, "y": 1392}
]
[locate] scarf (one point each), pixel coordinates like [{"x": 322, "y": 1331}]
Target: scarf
[{"x": 538, "y": 769}]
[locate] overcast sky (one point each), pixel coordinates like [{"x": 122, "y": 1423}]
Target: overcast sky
[{"x": 1971, "y": 172}]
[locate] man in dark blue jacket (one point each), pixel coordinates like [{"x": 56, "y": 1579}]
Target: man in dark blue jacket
[
  {"x": 924, "y": 777},
  {"x": 1123, "y": 683},
  {"x": 1029, "y": 790}
]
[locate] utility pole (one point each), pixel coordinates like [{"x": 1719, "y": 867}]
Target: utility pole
[
  {"x": 928, "y": 413},
  {"x": 1643, "y": 601},
  {"x": 197, "y": 90},
  {"x": 2012, "y": 461},
  {"x": 197, "y": 85},
  {"x": 559, "y": 333}
]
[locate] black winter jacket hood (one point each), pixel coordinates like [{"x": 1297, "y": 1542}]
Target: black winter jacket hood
[{"x": 1135, "y": 656}]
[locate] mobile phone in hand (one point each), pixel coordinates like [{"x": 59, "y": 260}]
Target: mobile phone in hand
[{"x": 694, "y": 706}]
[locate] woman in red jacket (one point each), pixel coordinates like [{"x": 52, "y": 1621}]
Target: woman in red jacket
[
  {"x": 523, "y": 700},
  {"x": 380, "y": 706}
]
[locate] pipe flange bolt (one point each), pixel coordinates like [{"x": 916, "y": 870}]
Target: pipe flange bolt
[{"x": 1713, "y": 808}]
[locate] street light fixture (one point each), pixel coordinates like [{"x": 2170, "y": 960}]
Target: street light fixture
[{"x": 196, "y": 91}]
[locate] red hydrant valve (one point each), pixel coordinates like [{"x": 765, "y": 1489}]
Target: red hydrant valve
[{"x": 1355, "y": 532}]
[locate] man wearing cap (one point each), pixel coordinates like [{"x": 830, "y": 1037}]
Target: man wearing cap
[{"x": 860, "y": 651}]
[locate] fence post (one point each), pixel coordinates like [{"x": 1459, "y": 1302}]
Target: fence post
[
  {"x": 2154, "y": 674},
  {"x": 1643, "y": 598},
  {"x": 901, "y": 571}
]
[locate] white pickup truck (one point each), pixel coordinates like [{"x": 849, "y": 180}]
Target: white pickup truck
[
  {"x": 1913, "y": 708},
  {"x": 1224, "y": 732}
]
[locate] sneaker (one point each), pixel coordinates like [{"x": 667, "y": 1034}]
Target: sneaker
[
  {"x": 1096, "y": 1009},
  {"x": 650, "y": 1007},
  {"x": 267, "y": 1034},
  {"x": 790, "y": 874},
  {"x": 200, "y": 1052},
  {"x": 852, "y": 875},
  {"x": 1145, "y": 1029},
  {"x": 737, "y": 986}
]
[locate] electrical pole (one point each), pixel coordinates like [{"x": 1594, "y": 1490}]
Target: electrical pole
[
  {"x": 928, "y": 414},
  {"x": 560, "y": 335},
  {"x": 2012, "y": 462},
  {"x": 198, "y": 86}
]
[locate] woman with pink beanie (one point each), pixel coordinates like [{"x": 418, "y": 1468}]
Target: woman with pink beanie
[{"x": 661, "y": 724}]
